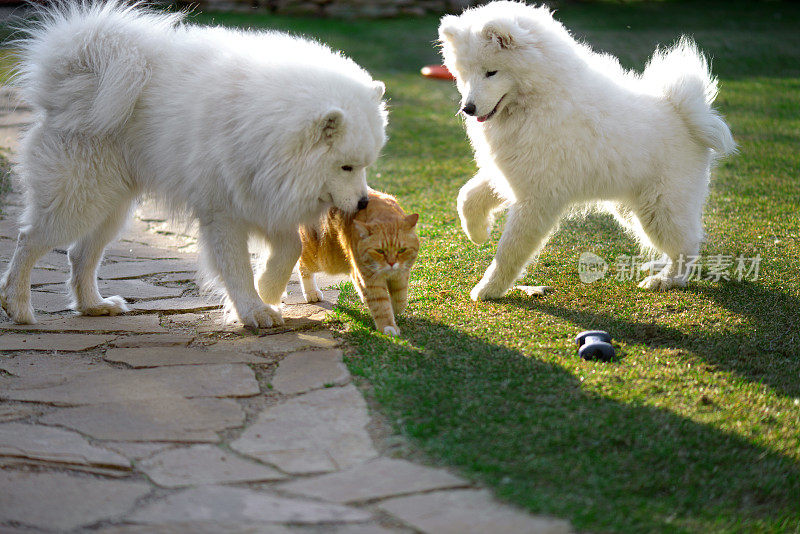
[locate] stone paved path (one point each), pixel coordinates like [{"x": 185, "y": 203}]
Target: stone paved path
[{"x": 168, "y": 420}]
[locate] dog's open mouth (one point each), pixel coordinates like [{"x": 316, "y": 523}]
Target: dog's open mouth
[{"x": 488, "y": 116}]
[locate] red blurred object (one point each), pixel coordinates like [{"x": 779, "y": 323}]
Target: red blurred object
[{"x": 439, "y": 72}]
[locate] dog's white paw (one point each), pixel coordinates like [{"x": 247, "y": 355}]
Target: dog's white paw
[
  {"x": 18, "y": 310},
  {"x": 654, "y": 266},
  {"x": 313, "y": 295},
  {"x": 110, "y": 306},
  {"x": 484, "y": 291},
  {"x": 477, "y": 234},
  {"x": 263, "y": 316},
  {"x": 661, "y": 283},
  {"x": 477, "y": 230},
  {"x": 535, "y": 291},
  {"x": 391, "y": 331}
]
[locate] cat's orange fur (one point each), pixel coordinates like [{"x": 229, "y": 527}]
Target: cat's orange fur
[{"x": 377, "y": 246}]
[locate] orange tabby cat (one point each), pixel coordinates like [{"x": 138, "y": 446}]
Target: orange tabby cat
[{"x": 377, "y": 246}]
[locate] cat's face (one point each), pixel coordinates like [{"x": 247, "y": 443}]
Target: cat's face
[{"x": 387, "y": 248}]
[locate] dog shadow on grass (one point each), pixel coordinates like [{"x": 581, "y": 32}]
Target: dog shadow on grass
[
  {"x": 764, "y": 353},
  {"x": 528, "y": 429}
]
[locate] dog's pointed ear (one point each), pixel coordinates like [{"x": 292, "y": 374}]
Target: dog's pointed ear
[
  {"x": 448, "y": 28},
  {"x": 362, "y": 229},
  {"x": 502, "y": 33},
  {"x": 410, "y": 221},
  {"x": 379, "y": 89},
  {"x": 330, "y": 126}
]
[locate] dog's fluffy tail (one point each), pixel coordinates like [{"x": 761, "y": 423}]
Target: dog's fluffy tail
[
  {"x": 682, "y": 74},
  {"x": 83, "y": 65}
]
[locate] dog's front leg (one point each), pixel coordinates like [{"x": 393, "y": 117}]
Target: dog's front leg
[
  {"x": 478, "y": 201},
  {"x": 284, "y": 251},
  {"x": 527, "y": 230},
  {"x": 224, "y": 246}
]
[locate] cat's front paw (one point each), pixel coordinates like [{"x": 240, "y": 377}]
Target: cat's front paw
[
  {"x": 391, "y": 331},
  {"x": 313, "y": 295},
  {"x": 261, "y": 316}
]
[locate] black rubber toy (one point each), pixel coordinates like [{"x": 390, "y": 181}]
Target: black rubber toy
[{"x": 595, "y": 345}]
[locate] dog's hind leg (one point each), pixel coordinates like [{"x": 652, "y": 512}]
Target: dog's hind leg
[
  {"x": 673, "y": 223},
  {"x": 478, "y": 201},
  {"x": 527, "y": 230},
  {"x": 15, "y": 286},
  {"x": 85, "y": 256},
  {"x": 225, "y": 254}
]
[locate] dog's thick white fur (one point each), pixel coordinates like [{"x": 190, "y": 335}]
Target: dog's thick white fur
[
  {"x": 248, "y": 133},
  {"x": 555, "y": 124}
]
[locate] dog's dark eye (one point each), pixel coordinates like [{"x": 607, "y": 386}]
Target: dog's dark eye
[
  {"x": 490, "y": 73},
  {"x": 347, "y": 168}
]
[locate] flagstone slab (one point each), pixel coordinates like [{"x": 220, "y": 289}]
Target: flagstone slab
[
  {"x": 47, "y": 276},
  {"x": 178, "y": 277},
  {"x": 152, "y": 340},
  {"x": 165, "y": 356},
  {"x": 215, "y": 527},
  {"x": 207, "y": 527},
  {"x": 134, "y": 450},
  {"x": 138, "y": 269},
  {"x": 187, "y": 304},
  {"x": 47, "y": 302},
  {"x": 281, "y": 343},
  {"x": 61, "y": 502},
  {"x": 216, "y": 324},
  {"x": 229, "y": 504},
  {"x": 55, "y": 445},
  {"x": 316, "y": 311},
  {"x": 48, "y": 368},
  {"x": 118, "y": 385},
  {"x": 304, "y": 371},
  {"x": 59, "y": 342},
  {"x": 139, "y": 324},
  {"x": 204, "y": 464},
  {"x": 178, "y": 419},
  {"x": 317, "y": 432},
  {"x": 183, "y": 319},
  {"x": 15, "y": 412},
  {"x": 131, "y": 290},
  {"x": 296, "y": 297},
  {"x": 377, "y": 479},
  {"x": 468, "y": 511}
]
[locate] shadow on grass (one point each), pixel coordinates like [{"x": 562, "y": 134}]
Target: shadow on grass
[
  {"x": 528, "y": 429},
  {"x": 764, "y": 353}
]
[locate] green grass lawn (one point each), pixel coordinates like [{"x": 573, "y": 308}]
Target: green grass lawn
[{"x": 696, "y": 427}]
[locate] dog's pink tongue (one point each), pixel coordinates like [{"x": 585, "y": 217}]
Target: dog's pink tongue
[{"x": 482, "y": 119}]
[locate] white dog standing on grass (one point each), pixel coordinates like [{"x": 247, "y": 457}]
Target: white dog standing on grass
[
  {"x": 555, "y": 124},
  {"x": 249, "y": 133}
]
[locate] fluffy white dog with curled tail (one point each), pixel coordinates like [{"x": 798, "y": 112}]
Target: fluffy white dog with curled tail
[
  {"x": 249, "y": 133},
  {"x": 555, "y": 124}
]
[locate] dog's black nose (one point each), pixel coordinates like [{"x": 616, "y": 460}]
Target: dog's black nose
[
  {"x": 362, "y": 203},
  {"x": 469, "y": 109}
]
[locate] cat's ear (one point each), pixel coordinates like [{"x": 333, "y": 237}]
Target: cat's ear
[
  {"x": 361, "y": 228},
  {"x": 410, "y": 221}
]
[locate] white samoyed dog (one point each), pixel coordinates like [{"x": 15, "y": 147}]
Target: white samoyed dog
[
  {"x": 249, "y": 133},
  {"x": 555, "y": 124}
]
